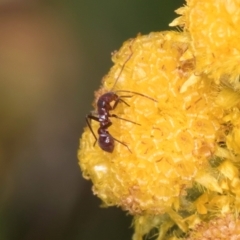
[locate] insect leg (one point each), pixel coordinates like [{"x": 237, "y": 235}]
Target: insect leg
[
  {"x": 90, "y": 116},
  {"x": 120, "y": 100},
  {"x": 127, "y": 120},
  {"x": 124, "y": 144}
]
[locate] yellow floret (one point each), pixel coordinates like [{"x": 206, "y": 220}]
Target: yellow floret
[{"x": 213, "y": 27}]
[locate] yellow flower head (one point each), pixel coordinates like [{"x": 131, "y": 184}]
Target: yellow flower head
[
  {"x": 168, "y": 142},
  {"x": 175, "y": 136},
  {"x": 168, "y": 137},
  {"x": 213, "y": 26}
]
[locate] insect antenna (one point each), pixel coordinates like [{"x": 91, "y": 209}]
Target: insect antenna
[
  {"x": 123, "y": 66},
  {"x": 137, "y": 93}
]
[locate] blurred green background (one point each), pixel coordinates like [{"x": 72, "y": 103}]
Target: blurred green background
[{"x": 53, "y": 55}]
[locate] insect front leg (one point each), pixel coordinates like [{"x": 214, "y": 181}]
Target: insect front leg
[
  {"x": 127, "y": 120},
  {"x": 119, "y": 99}
]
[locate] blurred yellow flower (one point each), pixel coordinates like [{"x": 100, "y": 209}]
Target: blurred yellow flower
[{"x": 213, "y": 27}]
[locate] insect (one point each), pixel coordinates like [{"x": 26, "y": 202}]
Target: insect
[{"x": 106, "y": 103}]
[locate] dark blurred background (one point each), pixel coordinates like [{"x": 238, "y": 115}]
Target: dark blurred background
[{"x": 53, "y": 55}]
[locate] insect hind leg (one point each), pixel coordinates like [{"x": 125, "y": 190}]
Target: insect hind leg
[{"x": 124, "y": 144}]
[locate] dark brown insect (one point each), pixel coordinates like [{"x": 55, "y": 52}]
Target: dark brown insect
[{"x": 106, "y": 103}]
